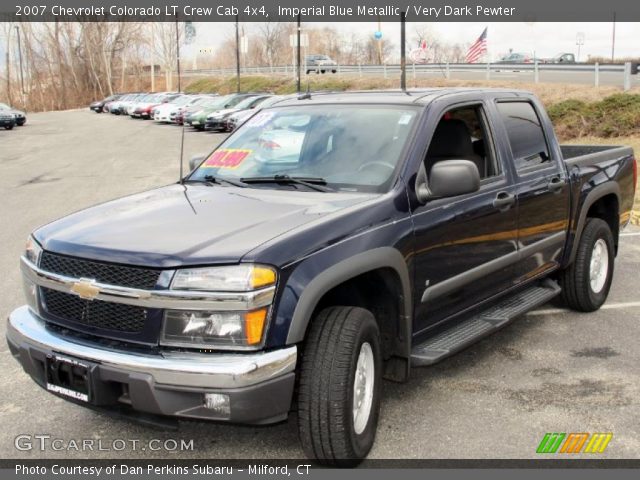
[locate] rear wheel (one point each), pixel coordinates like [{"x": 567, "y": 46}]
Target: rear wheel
[
  {"x": 339, "y": 394},
  {"x": 586, "y": 282}
]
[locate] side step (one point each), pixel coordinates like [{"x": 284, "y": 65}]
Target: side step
[{"x": 482, "y": 324}]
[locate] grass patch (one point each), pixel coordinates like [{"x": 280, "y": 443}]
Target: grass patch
[{"x": 614, "y": 116}]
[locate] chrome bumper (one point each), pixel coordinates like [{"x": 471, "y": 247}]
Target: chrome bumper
[{"x": 27, "y": 331}]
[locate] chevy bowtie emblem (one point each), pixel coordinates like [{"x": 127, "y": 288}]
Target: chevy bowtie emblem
[{"x": 86, "y": 289}]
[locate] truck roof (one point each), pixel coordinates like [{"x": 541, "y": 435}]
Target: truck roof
[{"x": 410, "y": 96}]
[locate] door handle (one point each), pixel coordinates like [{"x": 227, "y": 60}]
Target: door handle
[
  {"x": 504, "y": 200},
  {"x": 555, "y": 184}
]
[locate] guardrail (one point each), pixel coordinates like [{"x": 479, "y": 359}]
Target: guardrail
[{"x": 596, "y": 74}]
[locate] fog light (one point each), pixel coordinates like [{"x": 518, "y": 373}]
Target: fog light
[{"x": 219, "y": 403}]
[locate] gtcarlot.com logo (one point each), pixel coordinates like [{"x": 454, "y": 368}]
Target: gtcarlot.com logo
[{"x": 574, "y": 443}]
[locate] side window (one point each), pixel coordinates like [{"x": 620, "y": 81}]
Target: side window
[
  {"x": 462, "y": 134},
  {"x": 526, "y": 137}
]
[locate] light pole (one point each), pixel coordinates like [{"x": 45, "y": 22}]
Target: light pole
[
  {"x": 238, "y": 52},
  {"x": 579, "y": 43}
]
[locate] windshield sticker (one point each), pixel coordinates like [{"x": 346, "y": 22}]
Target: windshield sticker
[
  {"x": 405, "y": 119},
  {"x": 227, "y": 158},
  {"x": 260, "y": 119}
]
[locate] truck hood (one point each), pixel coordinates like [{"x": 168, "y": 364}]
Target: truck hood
[{"x": 190, "y": 224}]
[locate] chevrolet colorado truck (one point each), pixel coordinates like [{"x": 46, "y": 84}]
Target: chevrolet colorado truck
[{"x": 332, "y": 241}]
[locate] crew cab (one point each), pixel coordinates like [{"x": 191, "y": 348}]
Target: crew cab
[{"x": 331, "y": 241}]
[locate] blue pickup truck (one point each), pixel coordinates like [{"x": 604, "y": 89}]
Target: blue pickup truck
[{"x": 332, "y": 241}]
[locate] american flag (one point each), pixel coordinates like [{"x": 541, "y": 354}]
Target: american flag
[{"x": 478, "y": 48}]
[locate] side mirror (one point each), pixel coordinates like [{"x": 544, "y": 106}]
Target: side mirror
[
  {"x": 195, "y": 162},
  {"x": 448, "y": 178}
]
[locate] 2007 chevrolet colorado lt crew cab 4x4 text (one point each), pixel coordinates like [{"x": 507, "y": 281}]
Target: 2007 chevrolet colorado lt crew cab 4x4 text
[{"x": 333, "y": 240}]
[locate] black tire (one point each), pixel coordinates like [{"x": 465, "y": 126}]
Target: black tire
[
  {"x": 8, "y": 127},
  {"x": 326, "y": 388},
  {"x": 577, "y": 292},
  {"x": 333, "y": 71},
  {"x": 20, "y": 124}
]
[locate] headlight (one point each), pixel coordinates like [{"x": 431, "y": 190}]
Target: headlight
[
  {"x": 213, "y": 329},
  {"x": 237, "y": 278},
  {"x": 32, "y": 251}
]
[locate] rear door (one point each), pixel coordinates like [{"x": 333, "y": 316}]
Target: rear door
[{"x": 542, "y": 186}]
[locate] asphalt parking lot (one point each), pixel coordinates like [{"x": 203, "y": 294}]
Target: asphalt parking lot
[{"x": 551, "y": 371}]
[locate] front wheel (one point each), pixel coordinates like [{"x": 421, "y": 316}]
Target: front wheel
[
  {"x": 339, "y": 393},
  {"x": 586, "y": 282},
  {"x": 8, "y": 127}
]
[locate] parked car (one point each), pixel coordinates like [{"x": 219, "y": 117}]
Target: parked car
[
  {"x": 236, "y": 119},
  {"x": 7, "y": 120},
  {"x": 117, "y": 107},
  {"x": 98, "y": 105},
  {"x": 516, "y": 58},
  {"x": 218, "y": 120},
  {"x": 320, "y": 64},
  {"x": 19, "y": 116},
  {"x": 334, "y": 241},
  {"x": 144, "y": 107},
  {"x": 198, "y": 119},
  {"x": 568, "y": 58}
]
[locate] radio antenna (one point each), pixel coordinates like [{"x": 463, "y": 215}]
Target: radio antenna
[{"x": 181, "y": 180}]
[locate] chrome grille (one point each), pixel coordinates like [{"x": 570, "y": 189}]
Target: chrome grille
[
  {"x": 109, "y": 273},
  {"x": 94, "y": 313}
]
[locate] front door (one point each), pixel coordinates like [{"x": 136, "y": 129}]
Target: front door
[{"x": 464, "y": 246}]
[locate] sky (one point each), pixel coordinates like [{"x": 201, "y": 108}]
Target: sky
[{"x": 543, "y": 39}]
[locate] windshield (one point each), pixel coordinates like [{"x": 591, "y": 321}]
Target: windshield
[
  {"x": 353, "y": 148},
  {"x": 4, "y": 106},
  {"x": 248, "y": 102}
]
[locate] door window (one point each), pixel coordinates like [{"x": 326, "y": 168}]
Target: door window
[{"x": 526, "y": 137}]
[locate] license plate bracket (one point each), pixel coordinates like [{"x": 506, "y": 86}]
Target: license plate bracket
[{"x": 68, "y": 377}]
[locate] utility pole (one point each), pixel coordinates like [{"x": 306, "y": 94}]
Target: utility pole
[
  {"x": 613, "y": 40},
  {"x": 20, "y": 60},
  {"x": 403, "y": 59},
  {"x": 178, "y": 54},
  {"x": 299, "y": 59},
  {"x": 238, "y": 52}
]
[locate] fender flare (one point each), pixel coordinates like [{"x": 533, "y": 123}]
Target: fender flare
[
  {"x": 383, "y": 257},
  {"x": 592, "y": 197}
]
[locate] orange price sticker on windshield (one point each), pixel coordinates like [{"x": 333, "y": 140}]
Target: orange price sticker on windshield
[{"x": 227, "y": 158}]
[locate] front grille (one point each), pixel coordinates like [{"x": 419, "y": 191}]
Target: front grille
[
  {"x": 121, "y": 275},
  {"x": 94, "y": 313}
]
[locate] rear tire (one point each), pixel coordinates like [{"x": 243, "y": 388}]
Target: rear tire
[
  {"x": 342, "y": 356},
  {"x": 586, "y": 282}
]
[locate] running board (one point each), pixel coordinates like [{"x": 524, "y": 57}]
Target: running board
[{"x": 482, "y": 324}]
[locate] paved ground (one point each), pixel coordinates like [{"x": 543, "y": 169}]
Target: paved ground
[{"x": 550, "y": 371}]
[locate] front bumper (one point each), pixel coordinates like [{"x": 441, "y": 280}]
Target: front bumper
[{"x": 259, "y": 385}]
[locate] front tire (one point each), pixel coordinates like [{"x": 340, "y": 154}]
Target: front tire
[
  {"x": 339, "y": 391},
  {"x": 586, "y": 282}
]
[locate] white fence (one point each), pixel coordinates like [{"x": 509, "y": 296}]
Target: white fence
[{"x": 593, "y": 74}]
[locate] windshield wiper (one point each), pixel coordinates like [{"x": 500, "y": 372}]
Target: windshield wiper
[
  {"x": 314, "y": 183},
  {"x": 220, "y": 180}
]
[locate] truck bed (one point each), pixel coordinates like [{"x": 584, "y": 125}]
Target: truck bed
[{"x": 584, "y": 155}]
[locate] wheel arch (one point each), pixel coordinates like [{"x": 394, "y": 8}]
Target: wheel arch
[
  {"x": 386, "y": 263},
  {"x": 602, "y": 202}
]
